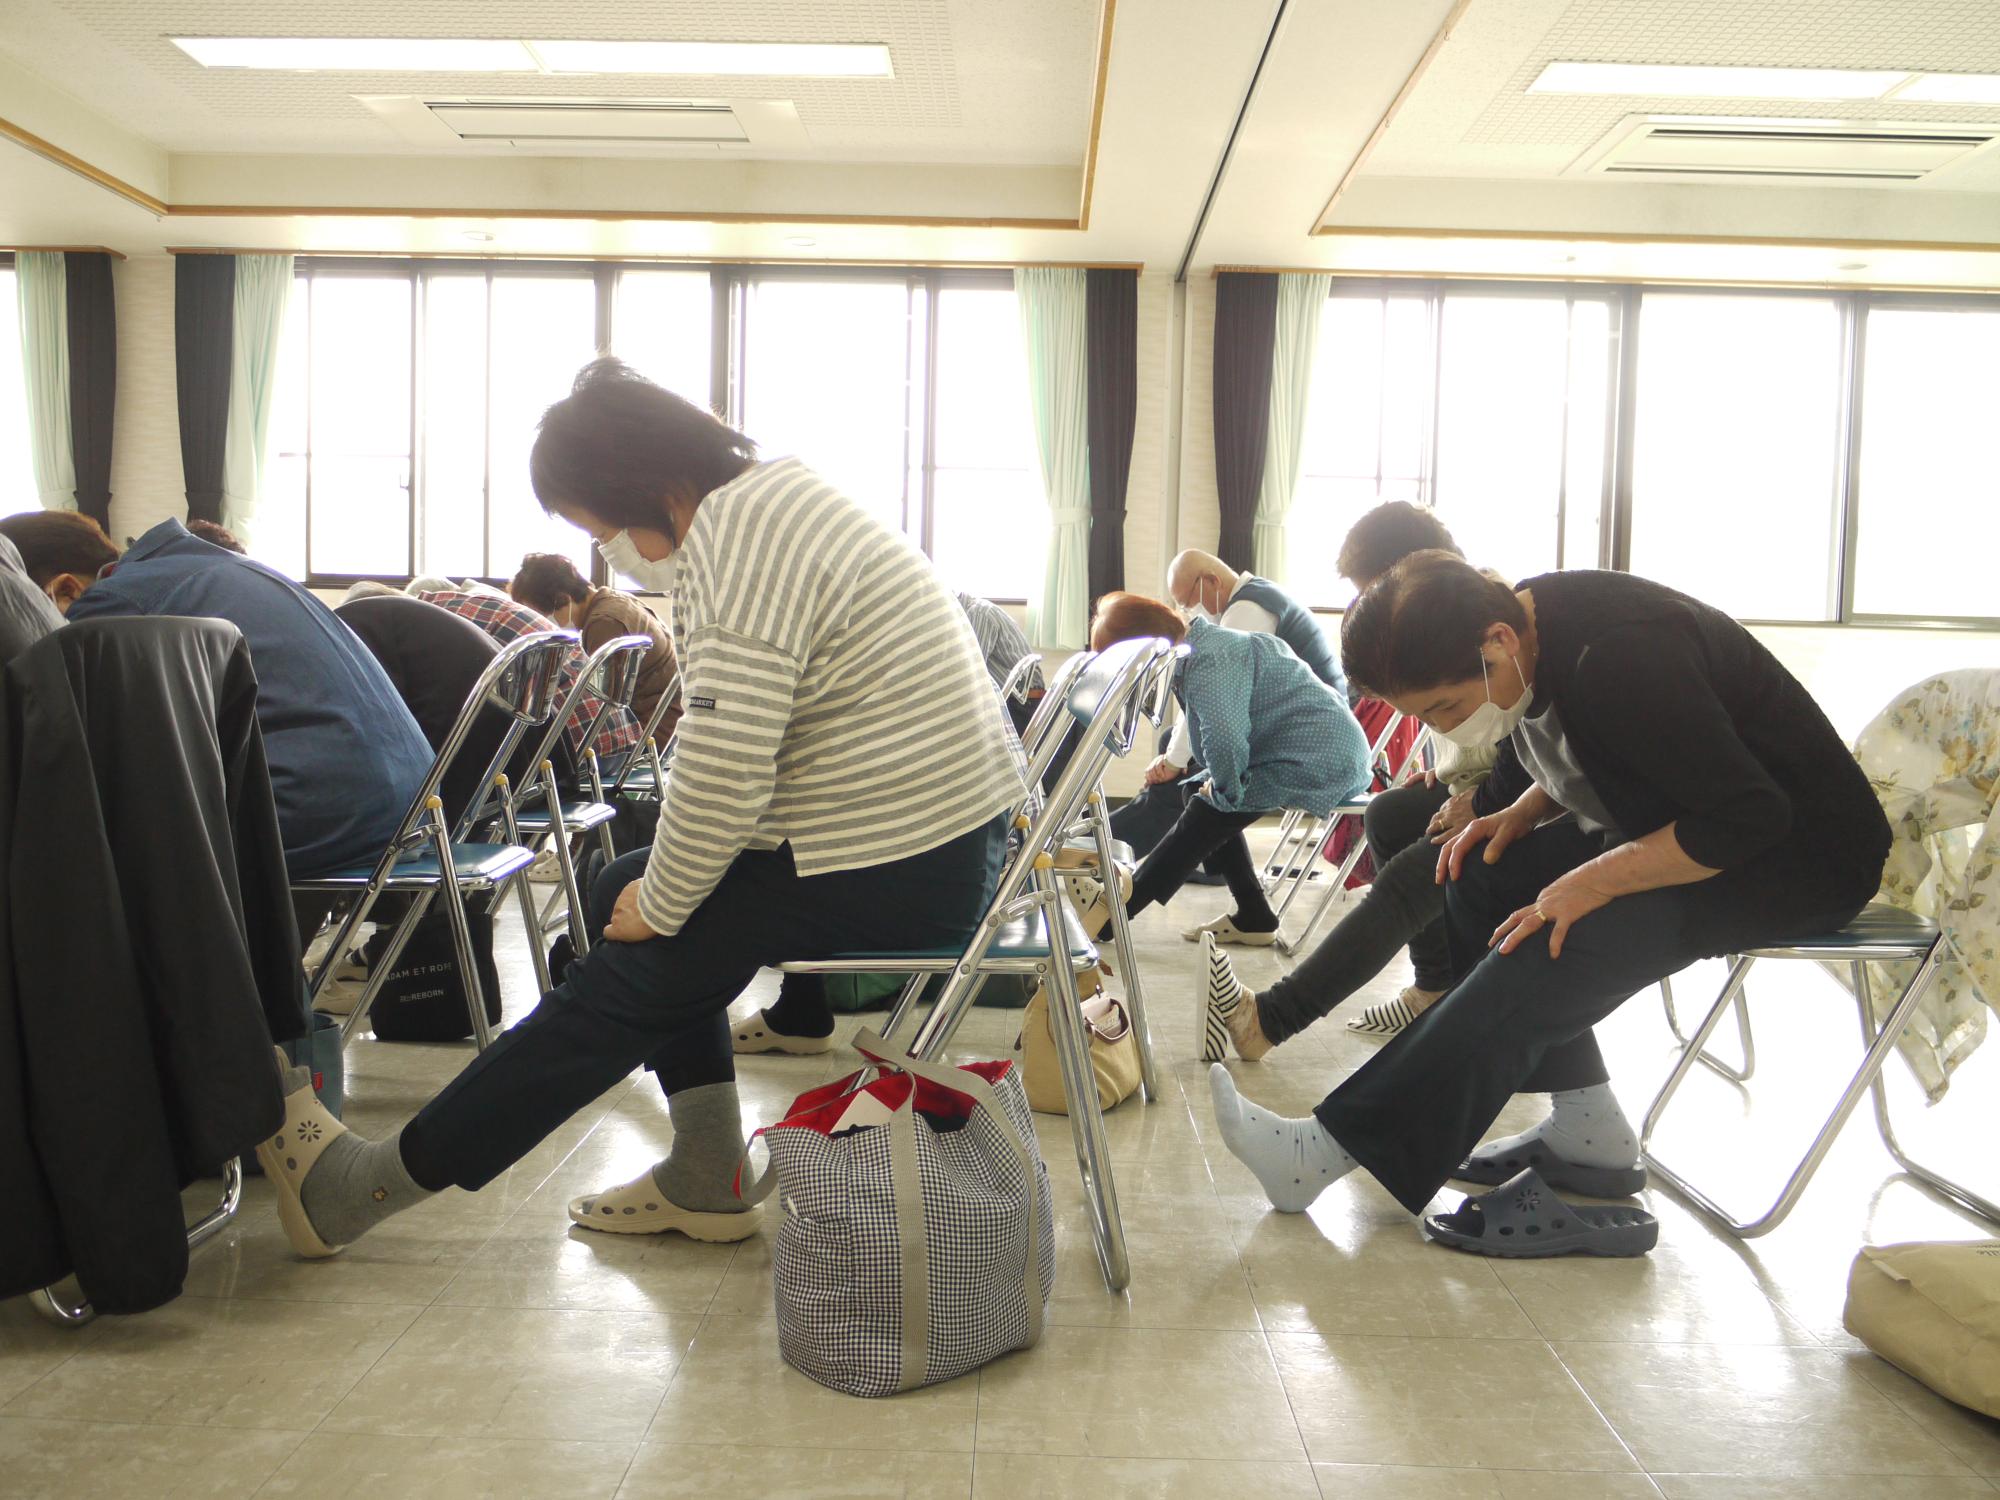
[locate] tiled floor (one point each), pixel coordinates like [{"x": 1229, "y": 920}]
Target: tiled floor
[{"x": 479, "y": 1346}]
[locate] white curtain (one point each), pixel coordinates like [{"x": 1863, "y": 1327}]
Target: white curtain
[
  {"x": 263, "y": 287},
  {"x": 42, "y": 289},
  {"x": 1301, "y": 297},
  {"x": 1056, "y": 335}
]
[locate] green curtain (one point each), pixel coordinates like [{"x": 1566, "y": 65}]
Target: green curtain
[
  {"x": 1301, "y": 297},
  {"x": 1056, "y": 331},
  {"x": 41, "y": 286},
  {"x": 263, "y": 287}
]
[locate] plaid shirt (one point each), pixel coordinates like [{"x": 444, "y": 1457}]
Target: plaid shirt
[{"x": 506, "y": 621}]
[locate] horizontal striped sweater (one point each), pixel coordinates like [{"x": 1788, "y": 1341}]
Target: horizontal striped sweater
[{"x": 835, "y": 698}]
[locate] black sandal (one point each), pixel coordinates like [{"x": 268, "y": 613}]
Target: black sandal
[{"x": 1525, "y": 1220}]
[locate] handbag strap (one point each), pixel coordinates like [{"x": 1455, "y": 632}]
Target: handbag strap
[
  {"x": 972, "y": 1086},
  {"x": 907, "y": 1185}
]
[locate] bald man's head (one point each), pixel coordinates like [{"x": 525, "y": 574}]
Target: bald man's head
[{"x": 1200, "y": 578}]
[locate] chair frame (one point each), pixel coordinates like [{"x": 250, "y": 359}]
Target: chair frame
[
  {"x": 520, "y": 682},
  {"x": 74, "y": 1312},
  {"x": 1878, "y": 1043},
  {"x": 1106, "y": 695}
]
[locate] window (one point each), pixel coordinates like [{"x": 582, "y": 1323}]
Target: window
[
  {"x": 1736, "y": 451},
  {"x": 1783, "y": 456},
  {"x": 1927, "y": 504},
  {"x": 17, "y": 466},
  {"x": 409, "y": 393},
  {"x": 1490, "y": 407}
]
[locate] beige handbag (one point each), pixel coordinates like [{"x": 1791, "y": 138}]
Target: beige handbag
[
  {"x": 1114, "y": 1051},
  {"x": 1933, "y": 1311}
]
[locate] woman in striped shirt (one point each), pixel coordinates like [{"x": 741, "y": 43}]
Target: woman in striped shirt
[{"x": 841, "y": 783}]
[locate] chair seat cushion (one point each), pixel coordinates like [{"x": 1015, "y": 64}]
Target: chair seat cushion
[
  {"x": 1024, "y": 937},
  {"x": 471, "y": 863},
  {"x": 1878, "y": 926},
  {"x": 577, "y": 817}
]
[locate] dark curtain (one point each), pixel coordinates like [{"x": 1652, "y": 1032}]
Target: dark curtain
[
  {"x": 93, "y": 378},
  {"x": 204, "y": 325},
  {"x": 1246, "y": 332},
  {"x": 1112, "y": 313}
]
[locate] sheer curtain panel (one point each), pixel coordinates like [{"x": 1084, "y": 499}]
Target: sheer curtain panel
[
  {"x": 1301, "y": 297},
  {"x": 40, "y": 284},
  {"x": 263, "y": 287},
  {"x": 1054, "y": 325}
]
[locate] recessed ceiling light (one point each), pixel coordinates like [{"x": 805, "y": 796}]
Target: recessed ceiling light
[
  {"x": 1954, "y": 88},
  {"x": 713, "y": 59},
  {"x": 354, "y": 54},
  {"x": 800, "y": 241},
  {"x": 1665, "y": 80},
  {"x": 1852, "y": 265},
  {"x": 478, "y": 236}
]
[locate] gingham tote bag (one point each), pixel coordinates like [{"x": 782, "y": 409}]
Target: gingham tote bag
[{"x": 914, "y": 1250}]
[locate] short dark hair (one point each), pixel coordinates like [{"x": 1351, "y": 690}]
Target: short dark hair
[
  {"x": 217, "y": 536},
  {"x": 617, "y": 445},
  {"x": 1388, "y": 534},
  {"x": 547, "y": 581},
  {"x": 1122, "y": 616},
  {"x": 59, "y": 541},
  {"x": 1421, "y": 624}
]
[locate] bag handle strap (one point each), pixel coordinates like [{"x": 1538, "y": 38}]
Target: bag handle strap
[
  {"x": 759, "y": 1187},
  {"x": 972, "y": 1086}
]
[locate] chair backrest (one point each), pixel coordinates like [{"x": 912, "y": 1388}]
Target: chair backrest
[
  {"x": 646, "y": 748},
  {"x": 1020, "y": 679},
  {"x": 613, "y": 673},
  {"x": 1051, "y": 712},
  {"x": 572, "y": 704},
  {"x": 520, "y": 682}
]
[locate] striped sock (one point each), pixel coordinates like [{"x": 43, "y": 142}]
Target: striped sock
[{"x": 1220, "y": 997}]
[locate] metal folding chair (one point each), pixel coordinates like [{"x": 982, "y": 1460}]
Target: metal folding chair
[
  {"x": 547, "y": 813},
  {"x": 642, "y": 772},
  {"x": 1880, "y": 933},
  {"x": 1020, "y": 679},
  {"x": 428, "y": 857},
  {"x": 1106, "y": 696},
  {"x": 1301, "y": 861}
]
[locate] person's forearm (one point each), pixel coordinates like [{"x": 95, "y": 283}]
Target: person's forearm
[
  {"x": 1536, "y": 805},
  {"x": 1646, "y": 864}
]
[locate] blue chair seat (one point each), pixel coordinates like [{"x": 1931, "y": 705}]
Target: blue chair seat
[
  {"x": 578, "y": 817},
  {"x": 471, "y": 863},
  {"x": 1023, "y": 938},
  {"x": 1880, "y": 931}
]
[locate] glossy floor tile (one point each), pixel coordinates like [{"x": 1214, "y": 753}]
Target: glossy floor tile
[{"x": 480, "y": 1345}]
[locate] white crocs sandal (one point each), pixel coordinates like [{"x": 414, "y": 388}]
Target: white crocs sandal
[
  {"x": 1225, "y": 931},
  {"x": 756, "y": 1036},
  {"x": 289, "y": 1155},
  {"x": 639, "y": 1207}
]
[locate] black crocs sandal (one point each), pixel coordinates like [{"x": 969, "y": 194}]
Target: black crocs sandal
[
  {"x": 1563, "y": 1176},
  {"x": 1524, "y": 1220}
]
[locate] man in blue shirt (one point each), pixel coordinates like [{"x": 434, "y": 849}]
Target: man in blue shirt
[{"x": 346, "y": 758}]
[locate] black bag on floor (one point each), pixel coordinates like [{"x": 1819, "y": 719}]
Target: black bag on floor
[{"x": 423, "y": 997}]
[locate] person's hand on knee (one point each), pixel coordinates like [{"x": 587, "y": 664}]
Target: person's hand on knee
[
  {"x": 1561, "y": 905},
  {"x": 626, "y": 925}
]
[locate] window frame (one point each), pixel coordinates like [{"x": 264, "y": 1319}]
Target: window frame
[
  {"x": 1616, "y": 504},
  {"x": 730, "y": 286}
]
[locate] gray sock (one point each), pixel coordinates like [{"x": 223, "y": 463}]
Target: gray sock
[
  {"x": 699, "y": 1171},
  {"x": 355, "y": 1185}
]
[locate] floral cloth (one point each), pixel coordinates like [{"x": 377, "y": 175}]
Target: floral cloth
[{"x": 1933, "y": 757}]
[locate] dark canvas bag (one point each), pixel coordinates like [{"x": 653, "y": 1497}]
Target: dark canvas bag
[{"x": 423, "y": 998}]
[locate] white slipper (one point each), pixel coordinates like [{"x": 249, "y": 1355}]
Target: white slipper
[
  {"x": 1087, "y": 895},
  {"x": 1223, "y": 930},
  {"x": 755, "y": 1036},
  {"x": 289, "y": 1155},
  {"x": 1387, "y": 1017},
  {"x": 639, "y": 1207}
]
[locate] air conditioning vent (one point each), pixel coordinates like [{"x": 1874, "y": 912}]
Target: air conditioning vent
[
  {"x": 590, "y": 121},
  {"x": 1707, "y": 147}
]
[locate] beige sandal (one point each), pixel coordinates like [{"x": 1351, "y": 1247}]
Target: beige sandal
[
  {"x": 755, "y": 1035},
  {"x": 289, "y": 1155},
  {"x": 639, "y": 1207}
]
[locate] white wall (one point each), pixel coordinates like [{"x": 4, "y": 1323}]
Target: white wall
[{"x": 146, "y": 484}]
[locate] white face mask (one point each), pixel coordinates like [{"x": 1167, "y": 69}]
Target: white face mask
[
  {"x": 1489, "y": 724},
  {"x": 623, "y": 557}
]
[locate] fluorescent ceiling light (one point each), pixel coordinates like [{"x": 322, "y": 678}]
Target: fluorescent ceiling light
[
  {"x": 351, "y": 54},
  {"x": 1665, "y": 80},
  {"x": 1954, "y": 88},
  {"x": 715, "y": 59}
]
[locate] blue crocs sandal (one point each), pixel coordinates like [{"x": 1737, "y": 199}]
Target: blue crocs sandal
[
  {"x": 1523, "y": 1219},
  {"x": 1563, "y": 1176}
]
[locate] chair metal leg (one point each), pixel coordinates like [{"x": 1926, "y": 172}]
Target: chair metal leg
[
  {"x": 1290, "y": 946},
  {"x": 1865, "y": 1077},
  {"x": 1086, "y": 1119},
  {"x": 75, "y": 1312},
  {"x": 461, "y": 940},
  {"x": 1709, "y": 1059},
  {"x": 1281, "y": 850},
  {"x": 899, "y": 1012},
  {"x": 597, "y": 795},
  {"x": 1307, "y": 854},
  {"x": 1121, "y": 939},
  {"x": 538, "y": 953},
  {"x": 378, "y": 972},
  {"x": 1957, "y": 1192},
  {"x": 579, "y": 935}
]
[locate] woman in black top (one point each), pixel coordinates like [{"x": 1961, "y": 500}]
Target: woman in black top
[{"x": 1668, "y": 792}]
